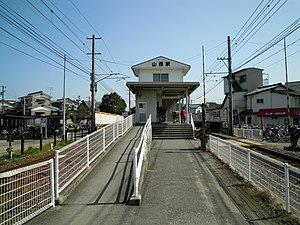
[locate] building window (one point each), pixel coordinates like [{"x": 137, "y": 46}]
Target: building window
[
  {"x": 160, "y": 77},
  {"x": 141, "y": 105},
  {"x": 167, "y": 63},
  {"x": 260, "y": 100},
  {"x": 164, "y": 77},
  {"x": 156, "y": 77},
  {"x": 243, "y": 79},
  {"x": 154, "y": 64},
  {"x": 160, "y": 63}
]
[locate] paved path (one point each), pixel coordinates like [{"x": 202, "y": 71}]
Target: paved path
[{"x": 182, "y": 186}]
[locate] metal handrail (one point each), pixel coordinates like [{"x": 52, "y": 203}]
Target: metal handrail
[{"x": 141, "y": 149}]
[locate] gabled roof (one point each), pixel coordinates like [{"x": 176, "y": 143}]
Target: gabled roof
[
  {"x": 265, "y": 88},
  {"x": 42, "y": 107},
  {"x": 294, "y": 85},
  {"x": 273, "y": 88},
  {"x": 154, "y": 63},
  {"x": 37, "y": 93},
  {"x": 243, "y": 70}
]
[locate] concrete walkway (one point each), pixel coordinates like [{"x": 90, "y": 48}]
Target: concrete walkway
[{"x": 182, "y": 186}]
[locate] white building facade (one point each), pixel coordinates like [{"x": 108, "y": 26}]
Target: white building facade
[
  {"x": 160, "y": 85},
  {"x": 269, "y": 106}
]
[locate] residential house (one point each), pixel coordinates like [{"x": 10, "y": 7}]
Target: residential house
[
  {"x": 36, "y": 104},
  {"x": 71, "y": 105},
  {"x": 244, "y": 80},
  {"x": 268, "y": 105}
]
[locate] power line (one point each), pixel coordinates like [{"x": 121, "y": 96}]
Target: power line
[
  {"x": 260, "y": 16},
  {"x": 280, "y": 50},
  {"x": 285, "y": 33},
  {"x": 31, "y": 31},
  {"x": 101, "y": 39}
]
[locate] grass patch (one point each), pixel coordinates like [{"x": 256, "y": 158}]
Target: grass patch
[{"x": 30, "y": 154}]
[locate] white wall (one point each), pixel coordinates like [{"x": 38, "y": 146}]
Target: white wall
[
  {"x": 175, "y": 75},
  {"x": 148, "y": 96},
  {"x": 254, "y": 79},
  {"x": 270, "y": 100}
]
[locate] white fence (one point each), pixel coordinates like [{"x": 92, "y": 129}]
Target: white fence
[
  {"x": 26, "y": 192},
  {"x": 193, "y": 125},
  {"x": 255, "y": 134},
  {"x": 280, "y": 179},
  {"x": 141, "y": 150},
  {"x": 103, "y": 118},
  {"x": 73, "y": 159}
]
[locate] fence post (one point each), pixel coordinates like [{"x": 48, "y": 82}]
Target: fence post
[
  {"x": 135, "y": 178},
  {"x": 54, "y": 141},
  {"x": 243, "y": 133},
  {"x": 52, "y": 190},
  {"x": 249, "y": 164},
  {"x": 22, "y": 144},
  {"x": 113, "y": 125},
  {"x": 56, "y": 174},
  {"x": 287, "y": 187},
  {"x": 218, "y": 147},
  {"x": 104, "y": 138},
  {"x": 41, "y": 141},
  {"x": 252, "y": 137},
  {"x": 229, "y": 148},
  {"x": 209, "y": 139},
  {"x": 88, "y": 150}
]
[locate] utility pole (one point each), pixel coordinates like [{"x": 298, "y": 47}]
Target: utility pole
[
  {"x": 93, "y": 83},
  {"x": 129, "y": 111},
  {"x": 203, "y": 144},
  {"x": 2, "y": 94},
  {"x": 230, "y": 80},
  {"x": 64, "y": 100},
  {"x": 287, "y": 84}
]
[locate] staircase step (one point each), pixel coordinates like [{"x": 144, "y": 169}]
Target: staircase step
[{"x": 172, "y": 131}]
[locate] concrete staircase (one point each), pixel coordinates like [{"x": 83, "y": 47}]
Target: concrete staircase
[{"x": 172, "y": 131}]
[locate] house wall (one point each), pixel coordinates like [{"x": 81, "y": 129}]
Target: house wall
[
  {"x": 270, "y": 100},
  {"x": 40, "y": 99},
  {"x": 254, "y": 79},
  {"x": 175, "y": 75}
]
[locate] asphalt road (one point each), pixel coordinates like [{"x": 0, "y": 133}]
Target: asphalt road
[{"x": 183, "y": 185}]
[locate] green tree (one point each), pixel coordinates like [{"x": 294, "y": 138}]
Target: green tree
[
  {"x": 83, "y": 110},
  {"x": 112, "y": 103}
]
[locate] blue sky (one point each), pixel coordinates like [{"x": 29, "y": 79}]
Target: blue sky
[{"x": 134, "y": 31}]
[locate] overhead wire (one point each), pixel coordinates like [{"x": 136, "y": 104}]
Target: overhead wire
[
  {"x": 277, "y": 52},
  {"x": 244, "y": 42},
  {"x": 24, "y": 26},
  {"x": 285, "y": 33},
  {"x": 101, "y": 39}
]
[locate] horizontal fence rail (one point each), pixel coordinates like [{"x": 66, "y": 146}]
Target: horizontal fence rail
[
  {"x": 139, "y": 154},
  {"x": 255, "y": 134},
  {"x": 26, "y": 192},
  {"x": 280, "y": 179},
  {"x": 73, "y": 159}
]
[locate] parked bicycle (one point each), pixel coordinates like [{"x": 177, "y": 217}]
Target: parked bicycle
[{"x": 276, "y": 133}]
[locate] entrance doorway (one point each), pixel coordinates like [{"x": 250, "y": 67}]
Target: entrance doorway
[{"x": 142, "y": 112}]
